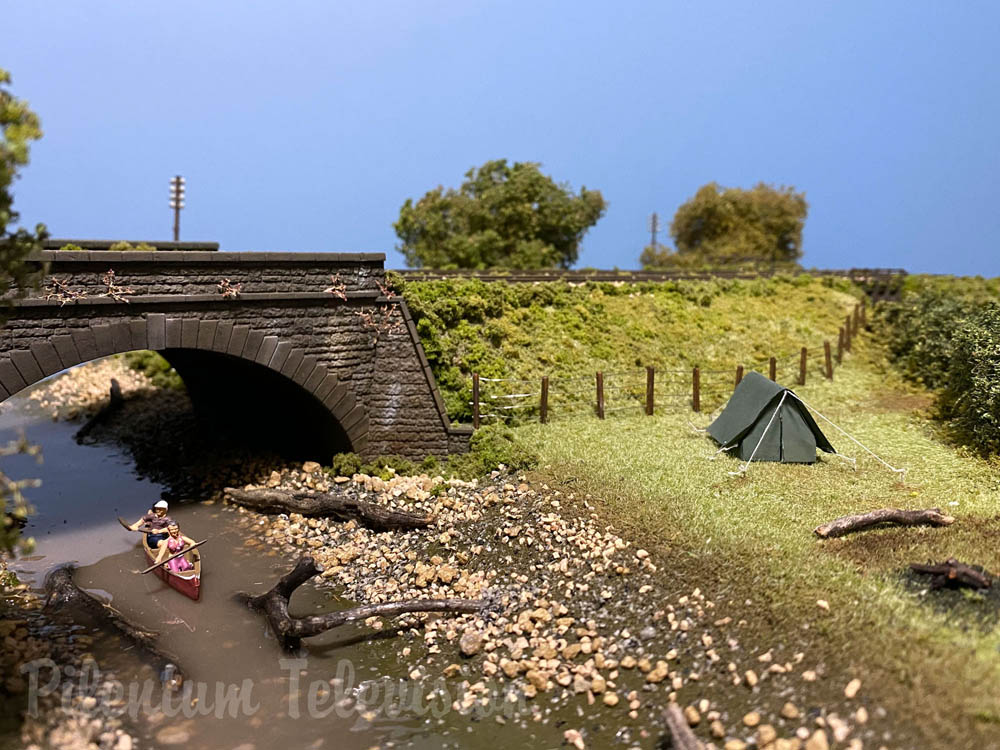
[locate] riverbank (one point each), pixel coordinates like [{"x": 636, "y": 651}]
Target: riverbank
[{"x": 584, "y": 631}]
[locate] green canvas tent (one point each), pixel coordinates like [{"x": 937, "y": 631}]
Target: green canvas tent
[{"x": 768, "y": 422}]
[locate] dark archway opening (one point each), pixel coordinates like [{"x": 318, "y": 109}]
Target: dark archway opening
[{"x": 258, "y": 406}]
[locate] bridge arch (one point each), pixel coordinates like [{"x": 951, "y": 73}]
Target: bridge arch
[{"x": 223, "y": 364}]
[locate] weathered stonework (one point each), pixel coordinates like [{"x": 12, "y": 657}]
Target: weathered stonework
[{"x": 359, "y": 358}]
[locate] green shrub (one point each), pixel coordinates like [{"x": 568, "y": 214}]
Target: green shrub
[
  {"x": 154, "y": 367},
  {"x": 490, "y": 447},
  {"x": 918, "y": 333},
  {"x": 971, "y": 398},
  {"x": 121, "y": 246},
  {"x": 69, "y": 247}
]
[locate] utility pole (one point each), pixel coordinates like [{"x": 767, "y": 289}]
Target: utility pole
[
  {"x": 177, "y": 203},
  {"x": 654, "y": 225}
]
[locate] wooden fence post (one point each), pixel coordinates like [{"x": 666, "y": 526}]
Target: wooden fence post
[
  {"x": 696, "y": 389},
  {"x": 802, "y": 366},
  {"x": 600, "y": 395},
  {"x": 772, "y": 368},
  {"x": 649, "y": 391},
  {"x": 856, "y": 324},
  {"x": 475, "y": 400},
  {"x": 544, "y": 406},
  {"x": 864, "y": 307},
  {"x": 739, "y": 374},
  {"x": 847, "y": 333},
  {"x": 829, "y": 362}
]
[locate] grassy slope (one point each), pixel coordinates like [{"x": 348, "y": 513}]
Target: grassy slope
[
  {"x": 934, "y": 658},
  {"x": 525, "y": 331}
]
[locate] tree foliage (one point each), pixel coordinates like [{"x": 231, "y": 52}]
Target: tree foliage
[
  {"x": 725, "y": 224},
  {"x": 19, "y": 126},
  {"x": 502, "y": 216}
]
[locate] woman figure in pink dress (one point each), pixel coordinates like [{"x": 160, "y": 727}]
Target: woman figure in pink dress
[{"x": 174, "y": 543}]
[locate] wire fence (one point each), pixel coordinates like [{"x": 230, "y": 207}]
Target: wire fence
[{"x": 649, "y": 390}]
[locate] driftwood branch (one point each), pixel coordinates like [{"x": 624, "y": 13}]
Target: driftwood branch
[
  {"x": 290, "y": 630},
  {"x": 953, "y": 573},
  {"x": 62, "y": 591},
  {"x": 371, "y": 515},
  {"x": 681, "y": 736},
  {"x": 114, "y": 405},
  {"x": 847, "y": 524}
]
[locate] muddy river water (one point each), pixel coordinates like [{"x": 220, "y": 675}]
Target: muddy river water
[{"x": 345, "y": 689}]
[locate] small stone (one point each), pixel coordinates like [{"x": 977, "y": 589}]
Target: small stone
[
  {"x": 310, "y": 467},
  {"x": 861, "y": 715},
  {"x": 610, "y": 699},
  {"x": 574, "y": 738},
  {"x": 766, "y": 735},
  {"x": 823, "y": 604},
  {"x": 692, "y": 715},
  {"x": 751, "y": 677},
  {"x": 852, "y": 688},
  {"x": 809, "y": 675},
  {"x": 537, "y": 679},
  {"x": 818, "y": 741},
  {"x": 734, "y": 745},
  {"x": 790, "y": 711},
  {"x": 718, "y": 731},
  {"x": 751, "y": 719},
  {"x": 471, "y": 643},
  {"x": 173, "y": 736}
]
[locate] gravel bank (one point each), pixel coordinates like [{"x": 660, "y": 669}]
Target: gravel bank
[{"x": 581, "y": 625}]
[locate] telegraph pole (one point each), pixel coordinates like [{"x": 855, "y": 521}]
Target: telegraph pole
[
  {"x": 177, "y": 203},
  {"x": 654, "y": 225}
]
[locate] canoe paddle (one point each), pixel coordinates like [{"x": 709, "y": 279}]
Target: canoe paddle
[
  {"x": 164, "y": 562},
  {"x": 143, "y": 529}
]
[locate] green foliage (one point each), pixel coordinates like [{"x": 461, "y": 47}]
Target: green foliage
[
  {"x": 14, "y": 507},
  {"x": 502, "y": 216},
  {"x": 19, "y": 126},
  {"x": 492, "y": 446},
  {"x": 349, "y": 464},
  {"x": 69, "y": 247},
  {"x": 918, "y": 333},
  {"x": 945, "y": 333},
  {"x": 971, "y": 398},
  {"x": 155, "y": 367},
  {"x": 721, "y": 224},
  {"x": 567, "y": 332},
  {"x": 123, "y": 246}
]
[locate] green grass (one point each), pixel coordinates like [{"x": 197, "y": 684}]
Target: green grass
[
  {"x": 526, "y": 331},
  {"x": 653, "y": 475}
]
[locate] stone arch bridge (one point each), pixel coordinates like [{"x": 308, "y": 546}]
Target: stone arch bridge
[{"x": 305, "y": 347}]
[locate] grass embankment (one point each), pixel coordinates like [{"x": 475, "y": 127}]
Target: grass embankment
[
  {"x": 526, "y": 331},
  {"x": 932, "y": 658}
]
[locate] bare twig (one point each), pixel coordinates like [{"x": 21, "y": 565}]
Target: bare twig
[
  {"x": 115, "y": 292},
  {"x": 291, "y": 630},
  {"x": 229, "y": 290},
  {"x": 58, "y": 289},
  {"x": 338, "y": 289},
  {"x": 847, "y": 524}
]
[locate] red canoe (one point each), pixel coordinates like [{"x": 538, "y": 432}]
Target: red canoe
[{"x": 187, "y": 582}]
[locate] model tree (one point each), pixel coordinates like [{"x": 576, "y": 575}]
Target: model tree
[{"x": 503, "y": 216}]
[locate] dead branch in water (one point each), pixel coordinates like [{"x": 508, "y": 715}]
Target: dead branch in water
[
  {"x": 328, "y": 505},
  {"x": 291, "y": 630},
  {"x": 114, "y": 405},
  {"x": 953, "y": 573},
  {"x": 62, "y": 591},
  {"x": 681, "y": 736},
  {"x": 847, "y": 524}
]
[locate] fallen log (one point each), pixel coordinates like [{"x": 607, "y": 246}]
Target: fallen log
[
  {"x": 681, "y": 736},
  {"x": 953, "y": 573},
  {"x": 847, "y": 524},
  {"x": 62, "y": 592},
  {"x": 344, "y": 508},
  {"x": 291, "y": 630},
  {"x": 114, "y": 405}
]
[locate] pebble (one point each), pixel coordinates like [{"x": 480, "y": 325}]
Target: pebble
[
  {"x": 751, "y": 719},
  {"x": 692, "y": 715},
  {"x": 790, "y": 711},
  {"x": 852, "y": 688},
  {"x": 817, "y": 741}
]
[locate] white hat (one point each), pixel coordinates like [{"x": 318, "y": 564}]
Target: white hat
[{"x": 161, "y": 504}]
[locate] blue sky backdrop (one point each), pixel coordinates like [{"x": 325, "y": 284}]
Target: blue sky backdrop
[{"x": 305, "y": 125}]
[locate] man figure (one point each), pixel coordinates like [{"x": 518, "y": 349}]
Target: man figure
[{"x": 157, "y": 521}]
